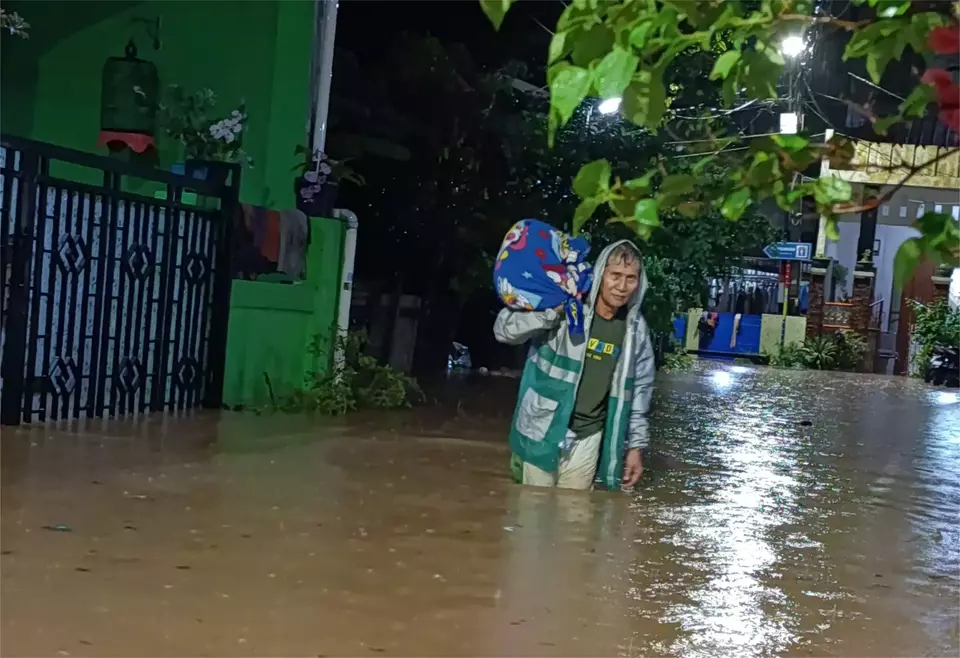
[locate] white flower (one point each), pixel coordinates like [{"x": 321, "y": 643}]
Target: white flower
[
  {"x": 310, "y": 177},
  {"x": 235, "y": 113},
  {"x": 325, "y": 168},
  {"x": 220, "y": 130},
  {"x": 228, "y": 137}
]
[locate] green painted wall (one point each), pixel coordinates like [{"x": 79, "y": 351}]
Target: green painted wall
[
  {"x": 257, "y": 51},
  {"x": 272, "y": 324}
]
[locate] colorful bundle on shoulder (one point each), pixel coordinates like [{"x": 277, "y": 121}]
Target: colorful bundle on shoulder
[{"x": 540, "y": 267}]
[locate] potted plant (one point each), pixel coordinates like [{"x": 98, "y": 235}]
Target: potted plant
[
  {"x": 943, "y": 271},
  {"x": 318, "y": 181},
  {"x": 209, "y": 142},
  {"x": 865, "y": 264}
]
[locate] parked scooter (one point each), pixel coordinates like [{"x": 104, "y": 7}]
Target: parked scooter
[{"x": 944, "y": 367}]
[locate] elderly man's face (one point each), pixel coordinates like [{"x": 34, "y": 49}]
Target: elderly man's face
[{"x": 620, "y": 281}]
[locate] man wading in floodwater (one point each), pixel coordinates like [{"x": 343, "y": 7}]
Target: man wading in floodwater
[{"x": 582, "y": 409}]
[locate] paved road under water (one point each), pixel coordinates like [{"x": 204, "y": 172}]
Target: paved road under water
[{"x": 784, "y": 513}]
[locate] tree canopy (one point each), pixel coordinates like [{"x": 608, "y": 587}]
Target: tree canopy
[{"x": 632, "y": 49}]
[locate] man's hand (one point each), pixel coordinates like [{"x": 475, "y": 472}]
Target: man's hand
[{"x": 633, "y": 468}]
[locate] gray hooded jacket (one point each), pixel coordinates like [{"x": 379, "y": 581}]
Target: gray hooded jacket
[{"x": 551, "y": 377}]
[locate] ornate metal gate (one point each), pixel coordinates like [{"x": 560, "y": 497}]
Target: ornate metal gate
[{"x": 113, "y": 302}]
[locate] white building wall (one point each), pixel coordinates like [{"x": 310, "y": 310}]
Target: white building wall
[{"x": 894, "y": 222}]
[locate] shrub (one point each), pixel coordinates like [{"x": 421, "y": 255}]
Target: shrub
[
  {"x": 677, "y": 361},
  {"x": 790, "y": 356},
  {"x": 359, "y": 382},
  {"x": 851, "y": 347},
  {"x": 935, "y": 324},
  {"x": 840, "y": 351},
  {"x": 819, "y": 353}
]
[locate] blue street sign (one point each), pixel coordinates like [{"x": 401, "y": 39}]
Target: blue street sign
[{"x": 789, "y": 250}]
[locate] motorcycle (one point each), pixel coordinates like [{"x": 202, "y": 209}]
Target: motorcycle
[{"x": 943, "y": 368}]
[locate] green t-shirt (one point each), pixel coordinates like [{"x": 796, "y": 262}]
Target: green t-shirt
[{"x": 603, "y": 352}]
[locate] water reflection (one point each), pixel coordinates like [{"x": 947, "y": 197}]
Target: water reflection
[
  {"x": 730, "y": 611},
  {"x": 795, "y": 535}
]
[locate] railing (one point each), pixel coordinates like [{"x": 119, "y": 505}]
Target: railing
[
  {"x": 876, "y": 315},
  {"x": 113, "y": 302}
]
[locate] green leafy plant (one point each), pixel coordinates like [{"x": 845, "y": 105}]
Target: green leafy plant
[
  {"x": 189, "y": 119},
  {"x": 935, "y": 324},
  {"x": 323, "y": 168},
  {"x": 851, "y": 347},
  {"x": 629, "y": 49},
  {"x": 819, "y": 353},
  {"x": 677, "y": 361},
  {"x": 840, "y": 351},
  {"x": 354, "y": 382},
  {"x": 12, "y": 23},
  {"x": 790, "y": 356}
]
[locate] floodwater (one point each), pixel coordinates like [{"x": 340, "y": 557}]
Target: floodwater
[{"x": 783, "y": 514}]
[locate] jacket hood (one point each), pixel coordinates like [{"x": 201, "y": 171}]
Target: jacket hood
[{"x": 637, "y": 298}]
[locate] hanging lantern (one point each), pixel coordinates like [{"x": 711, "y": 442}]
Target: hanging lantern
[{"x": 128, "y": 102}]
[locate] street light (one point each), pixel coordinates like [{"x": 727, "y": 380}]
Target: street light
[
  {"x": 792, "y": 46},
  {"x": 609, "y": 106}
]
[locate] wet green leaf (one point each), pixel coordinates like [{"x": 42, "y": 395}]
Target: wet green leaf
[
  {"x": 574, "y": 16},
  {"x": 495, "y": 10},
  {"x": 906, "y": 261},
  {"x": 678, "y": 185},
  {"x": 568, "y": 87},
  {"x": 891, "y": 8},
  {"x": 829, "y": 190},
  {"x": 772, "y": 54},
  {"x": 933, "y": 224},
  {"x": 915, "y": 105},
  {"x": 759, "y": 75},
  {"x": 791, "y": 143},
  {"x": 645, "y": 99},
  {"x": 583, "y": 212},
  {"x": 639, "y": 34},
  {"x": 883, "y": 124},
  {"x": 592, "y": 180},
  {"x": 622, "y": 206},
  {"x": 592, "y": 44},
  {"x": 614, "y": 71},
  {"x": 735, "y": 204},
  {"x": 641, "y": 183},
  {"x": 876, "y": 63},
  {"x": 690, "y": 209},
  {"x": 724, "y": 64},
  {"x": 833, "y": 231},
  {"x": 559, "y": 47},
  {"x": 645, "y": 212}
]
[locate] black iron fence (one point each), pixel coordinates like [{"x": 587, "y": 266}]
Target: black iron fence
[{"x": 113, "y": 302}]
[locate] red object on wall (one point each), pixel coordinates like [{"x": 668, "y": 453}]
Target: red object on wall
[{"x": 116, "y": 141}]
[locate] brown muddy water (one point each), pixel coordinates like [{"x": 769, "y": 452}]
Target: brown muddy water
[{"x": 783, "y": 514}]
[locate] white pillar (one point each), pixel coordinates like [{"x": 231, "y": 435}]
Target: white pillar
[{"x": 326, "y": 32}]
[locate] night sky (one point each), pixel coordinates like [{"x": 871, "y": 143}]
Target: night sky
[{"x": 367, "y": 27}]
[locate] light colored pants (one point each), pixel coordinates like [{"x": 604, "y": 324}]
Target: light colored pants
[{"x": 578, "y": 466}]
